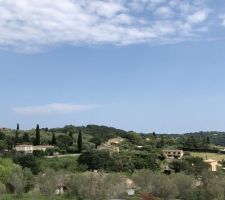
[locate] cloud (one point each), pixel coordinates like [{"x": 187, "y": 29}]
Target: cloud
[
  {"x": 164, "y": 12},
  {"x": 51, "y": 109},
  {"x": 198, "y": 17},
  {"x": 30, "y": 25}
]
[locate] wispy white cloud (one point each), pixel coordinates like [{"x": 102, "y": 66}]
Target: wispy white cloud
[
  {"x": 29, "y": 25},
  {"x": 51, "y": 109},
  {"x": 198, "y": 17}
]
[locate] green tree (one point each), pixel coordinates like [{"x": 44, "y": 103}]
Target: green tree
[
  {"x": 38, "y": 137},
  {"x": 185, "y": 185},
  {"x": 27, "y": 161},
  {"x": 97, "y": 141},
  {"x": 96, "y": 160},
  {"x": 79, "y": 142},
  {"x": 97, "y": 186},
  {"x": 17, "y": 134},
  {"x": 26, "y": 137},
  {"x": 53, "y": 142},
  {"x": 51, "y": 180},
  {"x": 17, "y": 127},
  {"x": 71, "y": 135},
  {"x": 154, "y": 134},
  {"x": 64, "y": 141}
]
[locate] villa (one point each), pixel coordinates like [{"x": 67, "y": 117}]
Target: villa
[
  {"x": 26, "y": 148},
  {"x": 111, "y": 145},
  {"x": 213, "y": 164},
  {"x": 173, "y": 154}
]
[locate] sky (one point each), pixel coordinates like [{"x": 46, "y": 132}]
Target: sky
[{"x": 142, "y": 65}]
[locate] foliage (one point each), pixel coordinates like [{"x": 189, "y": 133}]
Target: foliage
[
  {"x": 53, "y": 142},
  {"x": 51, "y": 180},
  {"x": 189, "y": 165},
  {"x": 96, "y": 160},
  {"x": 6, "y": 168},
  {"x": 64, "y": 141},
  {"x": 69, "y": 164},
  {"x": 27, "y": 161},
  {"x": 97, "y": 186},
  {"x": 79, "y": 142},
  {"x": 38, "y": 137}
]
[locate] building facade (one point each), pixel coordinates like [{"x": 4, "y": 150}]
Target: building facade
[{"x": 173, "y": 154}]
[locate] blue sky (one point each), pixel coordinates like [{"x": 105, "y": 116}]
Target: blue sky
[{"x": 143, "y": 65}]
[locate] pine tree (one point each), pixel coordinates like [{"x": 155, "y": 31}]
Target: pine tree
[
  {"x": 37, "y": 139},
  {"x": 79, "y": 142},
  {"x": 53, "y": 139},
  {"x": 154, "y": 134}
]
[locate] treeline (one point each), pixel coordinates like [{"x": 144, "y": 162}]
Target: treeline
[
  {"x": 215, "y": 137},
  {"x": 148, "y": 185}
]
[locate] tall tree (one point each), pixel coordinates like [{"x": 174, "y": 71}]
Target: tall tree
[
  {"x": 53, "y": 139},
  {"x": 17, "y": 127},
  {"x": 79, "y": 142},
  {"x": 38, "y": 137},
  {"x": 17, "y": 134}
]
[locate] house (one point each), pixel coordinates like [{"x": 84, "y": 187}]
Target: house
[
  {"x": 173, "y": 154},
  {"x": 26, "y": 148},
  {"x": 213, "y": 164},
  {"x": 115, "y": 141},
  {"x": 42, "y": 147},
  {"x": 111, "y": 145}
]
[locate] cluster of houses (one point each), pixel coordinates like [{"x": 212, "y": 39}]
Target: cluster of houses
[{"x": 178, "y": 154}]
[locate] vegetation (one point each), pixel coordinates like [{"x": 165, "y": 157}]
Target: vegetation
[{"x": 77, "y": 167}]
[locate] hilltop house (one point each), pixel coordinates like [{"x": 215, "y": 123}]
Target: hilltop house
[
  {"x": 111, "y": 145},
  {"x": 213, "y": 164},
  {"x": 26, "y": 148},
  {"x": 172, "y": 154}
]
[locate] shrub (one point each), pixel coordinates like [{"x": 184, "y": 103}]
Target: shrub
[{"x": 97, "y": 186}]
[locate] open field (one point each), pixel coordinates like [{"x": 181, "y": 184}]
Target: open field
[{"x": 205, "y": 155}]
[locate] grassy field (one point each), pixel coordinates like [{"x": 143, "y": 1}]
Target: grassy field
[{"x": 204, "y": 155}]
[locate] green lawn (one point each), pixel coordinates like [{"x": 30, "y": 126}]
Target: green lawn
[{"x": 205, "y": 155}]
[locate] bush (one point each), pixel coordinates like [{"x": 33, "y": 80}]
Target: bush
[
  {"x": 51, "y": 180},
  {"x": 158, "y": 185},
  {"x": 39, "y": 153},
  {"x": 185, "y": 185},
  {"x": 97, "y": 186},
  {"x": 96, "y": 160},
  {"x": 16, "y": 182},
  {"x": 2, "y": 189},
  {"x": 27, "y": 161}
]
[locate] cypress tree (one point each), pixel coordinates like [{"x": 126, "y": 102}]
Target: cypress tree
[
  {"x": 53, "y": 139},
  {"x": 17, "y": 127},
  {"x": 71, "y": 135},
  {"x": 79, "y": 142},
  {"x": 37, "y": 139},
  {"x": 17, "y": 134}
]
